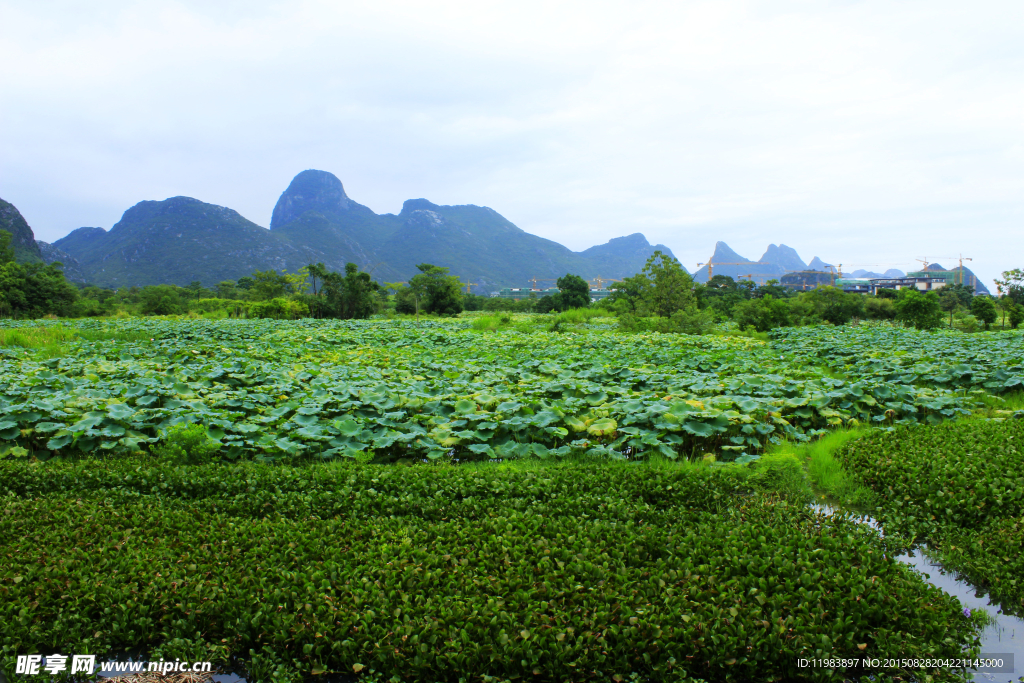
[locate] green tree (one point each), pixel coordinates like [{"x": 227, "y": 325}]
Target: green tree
[
  {"x": 33, "y": 289},
  {"x": 227, "y": 289},
  {"x": 955, "y": 296},
  {"x": 776, "y": 290},
  {"x": 671, "y": 287},
  {"x": 574, "y": 291},
  {"x": 1016, "y": 315},
  {"x": 832, "y": 305},
  {"x": 161, "y": 300},
  {"x": 984, "y": 309},
  {"x": 355, "y": 295},
  {"x": 549, "y": 303},
  {"x": 634, "y": 291},
  {"x": 268, "y": 284},
  {"x": 721, "y": 293},
  {"x": 1012, "y": 285},
  {"x": 762, "y": 314},
  {"x": 407, "y": 300},
  {"x": 439, "y": 292},
  {"x": 879, "y": 308},
  {"x": 922, "y": 310}
]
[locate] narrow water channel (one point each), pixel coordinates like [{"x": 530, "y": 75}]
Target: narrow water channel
[{"x": 1004, "y": 637}]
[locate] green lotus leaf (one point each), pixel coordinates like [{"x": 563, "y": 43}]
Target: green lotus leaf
[{"x": 602, "y": 427}]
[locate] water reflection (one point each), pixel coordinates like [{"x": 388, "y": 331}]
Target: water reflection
[{"x": 1005, "y": 636}]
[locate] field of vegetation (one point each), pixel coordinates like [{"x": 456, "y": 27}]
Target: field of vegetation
[{"x": 501, "y": 498}]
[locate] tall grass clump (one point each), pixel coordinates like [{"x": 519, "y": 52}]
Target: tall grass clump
[{"x": 826, "y": 474}]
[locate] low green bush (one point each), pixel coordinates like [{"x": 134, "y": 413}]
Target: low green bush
[{"x": 187, "y": 444}]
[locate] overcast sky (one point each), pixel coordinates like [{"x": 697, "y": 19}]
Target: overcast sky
[{"x": 861, "y": 132}]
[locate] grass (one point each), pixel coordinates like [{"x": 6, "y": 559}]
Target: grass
[
  {"x": 828, "y": 479},
  {"x": 53, "y": 339},
  {"x": 490, "y": 323},
  {"x": 1000, "y": 406}
]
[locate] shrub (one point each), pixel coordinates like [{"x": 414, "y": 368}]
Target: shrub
[
  {"x": 278, "y": 309},
  {"x": 187, "y": 444}
]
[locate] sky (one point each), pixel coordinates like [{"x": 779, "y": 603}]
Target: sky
[{"x": 869, "y": 133}]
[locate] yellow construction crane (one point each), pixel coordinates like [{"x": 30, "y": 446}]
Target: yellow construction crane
[
  {"x": 723, "y": 263},
  {"x": 535, "y": 280},
  {"x": 961, "y": 258},
  {"x": 602, "y": 280}
]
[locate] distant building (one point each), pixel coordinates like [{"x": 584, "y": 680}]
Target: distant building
[
  {"x": 922, "y": 283},
  {"x": 951, "y": 277},
  {"x": 518, "y": 293},
  {"x": 854, "y": 285}
]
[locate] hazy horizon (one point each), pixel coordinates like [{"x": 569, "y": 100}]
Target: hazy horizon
[{"x": 866, "y": 133}]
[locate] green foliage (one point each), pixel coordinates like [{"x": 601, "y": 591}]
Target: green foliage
[
  {"x": 161, "y": 300},
  {"x": 783, "y": 473},
  {"x": 958, "y": 487},
  {"x": 671, "y": 287},
  {"x": 984, "y": 309},
  {"x": 329, "y": 388},
  {"x": 32, "y": 289},
  {"x": 574, "y": 292},
  {"x": 269, "y": 284},
  {"x": 721, "y": 294},
  {"x": 879, "y": 308},
  {"x": 825, "y": 472},
  {"x": 888, "y": 294},
  {"x": 549, "y": 303},
  {"x": 1012, "y": 285},
  {"x": 1016, "y": 316},
  {"x": 954, "y": 296},
  {"x": 436, "y": 291},
  {"x": 187, "y": 444},
  {"x": 278, "y": 309},
  {"x": 828, "y": 304},
  {"x": 920, "y": 309},
  {"x": 661, "y": 289},
  {"x": 616, "y": 571},
  {"x": 762, "y": 314},
  {"x": 345, "y": 297}
]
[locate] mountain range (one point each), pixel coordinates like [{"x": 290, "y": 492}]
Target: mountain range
[
  {"x": 779, "y": 261},
  {"x": 776, "y": 261},
  {"x": 181, "y": 240}
]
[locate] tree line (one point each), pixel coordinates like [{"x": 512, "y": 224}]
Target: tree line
[{"x": 662, "y": 297}]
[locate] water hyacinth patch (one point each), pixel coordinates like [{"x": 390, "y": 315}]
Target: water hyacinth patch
[
  {"x": 960, "y": 488},
  {"x": 567, "y": 572}
]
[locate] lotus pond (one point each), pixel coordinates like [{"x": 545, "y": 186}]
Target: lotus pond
[{"x": 351, "y": 514}]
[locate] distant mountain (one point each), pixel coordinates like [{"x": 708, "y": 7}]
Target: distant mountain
[
  {"x": 72, "y": 269},
  {"x": 891, "y": 273},
  {"x": 180, "y": 240},
  {"x": 22, "y": 238},
  {"x": 817, "y": 264},
  {"x": 177, "y": 241},
  {"x": 783, "y": 257},
  {"x": 725, "y": 261}
]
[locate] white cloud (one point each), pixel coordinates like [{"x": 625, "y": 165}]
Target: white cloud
[{"x": 863, "y": 132}]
